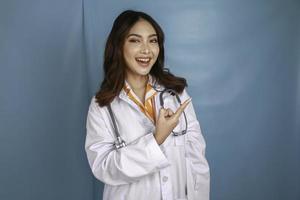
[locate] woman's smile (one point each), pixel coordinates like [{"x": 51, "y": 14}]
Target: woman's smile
[{"x": 143, "y": 61}]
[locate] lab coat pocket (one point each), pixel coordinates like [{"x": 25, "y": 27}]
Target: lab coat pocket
[
  {"x": 197, "y": 186},
  {"x": 179, "y": 140},
  {"x": 201, "y": 186},
  {"x": 197, "y": 182},
  {"x": 193, "y": 178}
]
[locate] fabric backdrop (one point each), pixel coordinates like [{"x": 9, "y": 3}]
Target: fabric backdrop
[{"x": 241, "y": 60}]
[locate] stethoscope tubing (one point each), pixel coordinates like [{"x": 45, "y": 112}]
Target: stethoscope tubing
[{"x": 119, "y": 143}]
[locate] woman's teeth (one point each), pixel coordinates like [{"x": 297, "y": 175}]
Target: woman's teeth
[{"x": 143, "y": 60}]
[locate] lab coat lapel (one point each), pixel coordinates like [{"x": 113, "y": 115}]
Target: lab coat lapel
[
  {"x": 143, "y": 118},
  {"x": 123, "y": 96}
]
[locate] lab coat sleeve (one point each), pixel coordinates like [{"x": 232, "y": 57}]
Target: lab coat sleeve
[
  {"x": 197, "y": 164},
  {"x": 125, "y": 165}
]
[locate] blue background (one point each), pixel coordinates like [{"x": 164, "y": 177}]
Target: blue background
[{"x": 242, "y": 63}]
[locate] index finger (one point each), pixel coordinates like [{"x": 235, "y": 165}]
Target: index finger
[{"x": 181, "y": 108}]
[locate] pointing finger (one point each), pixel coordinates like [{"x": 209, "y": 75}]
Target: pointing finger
[{"x": 181, "y": 108}]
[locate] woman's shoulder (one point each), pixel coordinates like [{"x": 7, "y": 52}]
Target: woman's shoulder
[
  {"x": 184, "y": 95},
  {"x": 94, "y": 105},
  {"x": 103, "y": 110}
]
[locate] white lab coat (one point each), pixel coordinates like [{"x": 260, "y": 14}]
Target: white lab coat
[{"x": 142, "y": 169}]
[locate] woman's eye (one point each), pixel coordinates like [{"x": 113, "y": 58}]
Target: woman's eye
[
  {"x": 134, "y": 40},
  {"x": 154, "y": 41}
]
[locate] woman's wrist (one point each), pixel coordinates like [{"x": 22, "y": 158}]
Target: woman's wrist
[{"x": 158, "y": 139}]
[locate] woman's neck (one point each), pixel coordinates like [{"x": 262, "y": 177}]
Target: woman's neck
[{"x": 137, "y": 83}]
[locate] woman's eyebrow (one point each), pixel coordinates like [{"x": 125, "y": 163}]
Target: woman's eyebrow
[{"x": 137, "y": 35}]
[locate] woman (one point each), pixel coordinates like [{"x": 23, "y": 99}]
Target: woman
[{"x": 160, "y": 153}]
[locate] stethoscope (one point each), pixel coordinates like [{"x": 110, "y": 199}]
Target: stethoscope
[{"x": 119, "y": 143}]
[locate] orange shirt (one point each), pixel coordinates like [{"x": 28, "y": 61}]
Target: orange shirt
[{"x": 149, "y": 107}]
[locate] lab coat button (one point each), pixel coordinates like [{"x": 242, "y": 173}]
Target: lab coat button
[{"x": 165, "y": 179}]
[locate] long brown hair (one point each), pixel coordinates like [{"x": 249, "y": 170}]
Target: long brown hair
[{"x": 114, "y": 65}]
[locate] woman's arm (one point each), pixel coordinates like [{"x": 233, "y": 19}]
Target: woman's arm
[{"x": 125, "y": 165}]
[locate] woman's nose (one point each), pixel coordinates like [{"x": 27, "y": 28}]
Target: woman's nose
[{"x": 145, "y": 49}]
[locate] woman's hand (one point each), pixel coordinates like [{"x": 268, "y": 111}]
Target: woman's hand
[{"x": 167, "y": 121}]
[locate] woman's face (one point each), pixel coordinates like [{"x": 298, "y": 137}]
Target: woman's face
[{"x": 140, "y": 49}]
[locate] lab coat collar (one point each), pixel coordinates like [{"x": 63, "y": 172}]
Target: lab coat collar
[{"x": 151, "y": 80}]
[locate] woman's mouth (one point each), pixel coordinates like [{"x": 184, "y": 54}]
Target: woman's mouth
[{"x": 143, "y": 61}]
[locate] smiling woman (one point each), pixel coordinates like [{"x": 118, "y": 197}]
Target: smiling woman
[{"x": 144, "y": 160}]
